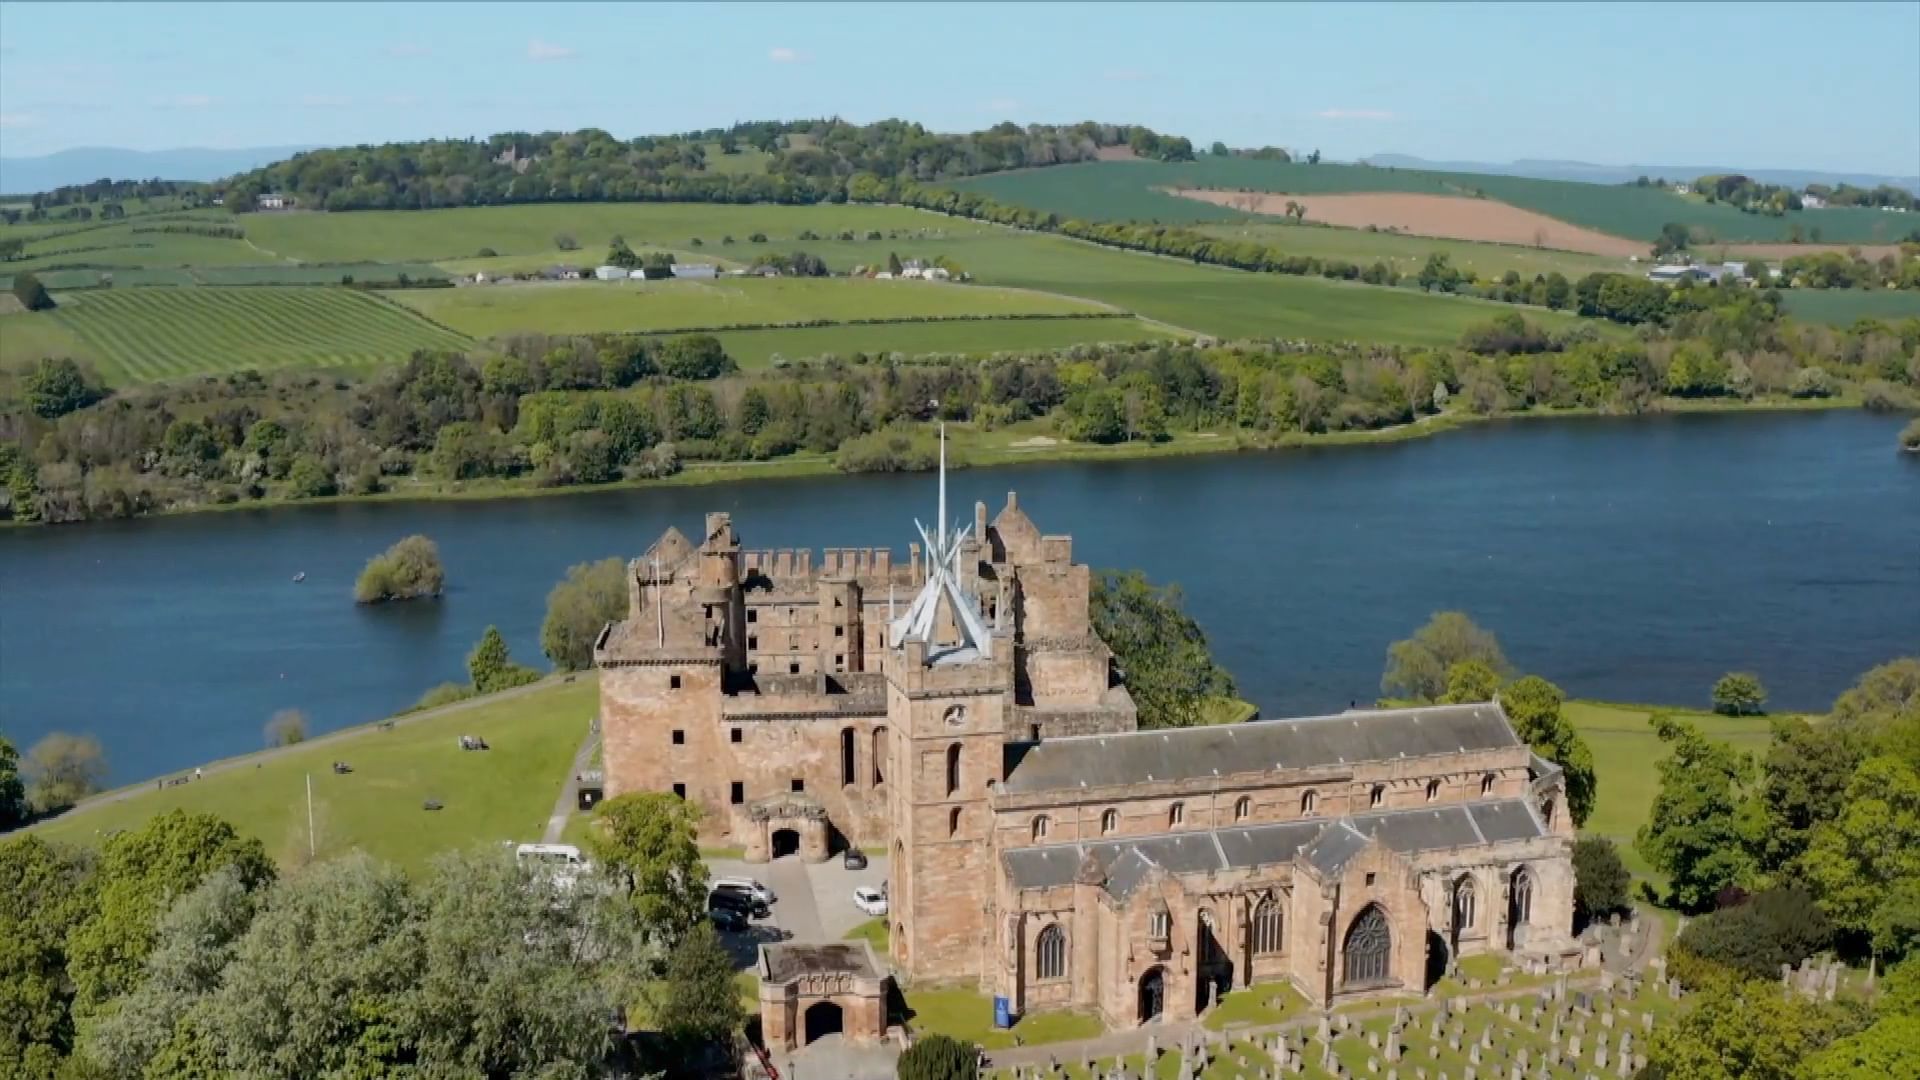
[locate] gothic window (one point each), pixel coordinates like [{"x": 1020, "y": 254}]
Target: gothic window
[
  {"x": 1159, "y": 923},
  {"x": 1040, "y": 826},
  {"x": 1522, "y": 903},
  {"x": 1369, "y": 947},
  {"x": 953, "y": 822},
  {"x": 1267, "y": 924},
  {"x": 846, "y": 756},
  {"x": 1308, "y": 802},
  {"x": 1377, "y": 796},
  {"x": 1050, "y": 953},
  {"x": 879, "y": 755},
  {"x": 953, "y": 768},
  {"x": 1486, "y": 785},
  {"x": 1109, "y": 821},
  {"x": 1433, "y": 790},
  {"x": 1546, "y": 812},
  {"x": 1466, "y": 904},
  {"x": 1242, "y": 808},
  {"x": 1176, "y": 815}
]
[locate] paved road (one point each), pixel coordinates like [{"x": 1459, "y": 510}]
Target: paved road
[{"x": 797, "y": 912}]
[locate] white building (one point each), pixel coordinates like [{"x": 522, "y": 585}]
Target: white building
[
  {"x": 695, "y": 270},
  {"x": 1810, "y": 201},
  {"x": 611, "y": 273},
  {"x": 273, "y": 201}
]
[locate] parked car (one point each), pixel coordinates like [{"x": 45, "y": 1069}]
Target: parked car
[
  {"x": 854, "y": 859},
  {"x": 761, "y": 892},
  {"x": 726, "y": 918},
  {"x": 739, "y": 900},
  {"x": 870, "y": 900}
]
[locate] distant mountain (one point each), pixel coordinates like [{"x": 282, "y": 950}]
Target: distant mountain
[
  {"x": 26, "y": 175},
  {"x": 1586, "y": 172}
]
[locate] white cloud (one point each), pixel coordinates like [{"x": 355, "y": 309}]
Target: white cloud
[
  {"x": 783, "y": 55},
  {"x": 18, "y": 120},
  {"x": 406, "y": 49},
  {"x": 325, "y": 101},
  {"x": 546, "y": 50},
  {"x": 1354, "y": 114},
  {"x": 185, "y": 101},
  {"x": 1125, "y": 75}
]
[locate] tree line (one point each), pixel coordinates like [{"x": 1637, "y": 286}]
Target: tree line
[{"x": 557, "y": 411}]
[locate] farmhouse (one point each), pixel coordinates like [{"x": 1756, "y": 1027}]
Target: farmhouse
[
  {"x": 274, "y": 201},
  {"x": 958, "y": 710},
  {"x": 703, "y": 271},
  {"x": 1673, "y": 274},
  {"x": 610, "y": 273}
]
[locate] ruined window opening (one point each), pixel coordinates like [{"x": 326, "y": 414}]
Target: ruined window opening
[
  {"x": 1433, "y": 790},
  {"x": 799, "y": 784},
  {"x": 953, "y": 768},
  {"x": 1308, "y": 802},
  {"x": 1377, "y": 796},
  {"x": 1242, "y": 808},
  {"x": 1109, "y": 821},
  {"x": 846, "y": 756},
  {"x": 879, "y": 755},
  {"x": 679, "y": 791},
  {"x": 839, "y": 631},
  {"x": 753, "y": 641},
  {"x": 734, "y": 735},
  {"x": 1177, "y": 814},
  {"x": 1486, "y": 784},
  {"x": 953, "y": 822},
  {"x": 737, "y": 793},
  {"x": 673, "y": 682},
  {"x": 753, "y": 615},
  {"x": 1370, "y": 877},
  {"x": 679, "y": 737},
  {"x": 1040, "y": 826},
  {"x": 793, "y": 667}
]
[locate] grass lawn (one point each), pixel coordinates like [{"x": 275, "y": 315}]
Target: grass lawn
[
  {"x": 27, "y": 336},
  {"x": 763, "y": 348},
  {"x": 582, "y": 307},
  {"x": 503, "y": 794},
  {"x": 1624, "y": 754},
  {"x": 1227, "y": 710},
  {"x": 968, "y": 1015},
  {"x": 1842, "y": 307},
  {"x": 1262, "y": 1003},
  {"x": 874, "y": 932},
  {"x": 142, "y": 335}
]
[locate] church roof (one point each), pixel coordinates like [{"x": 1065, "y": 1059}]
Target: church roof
[
  {"x": 1327, "y": 845},
  {"x": 1090, "y": 761}
]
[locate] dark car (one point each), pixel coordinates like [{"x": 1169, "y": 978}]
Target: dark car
[
  {"x": 738, "y": 899},
  {"x": 726, "y": 918},
  {"x": 854, "y": 859}
]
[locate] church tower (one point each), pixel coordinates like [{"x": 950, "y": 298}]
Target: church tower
[{"x": 949, "y": 685}]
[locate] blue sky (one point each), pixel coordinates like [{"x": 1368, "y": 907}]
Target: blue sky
[{"x": 1818, "y": 86}]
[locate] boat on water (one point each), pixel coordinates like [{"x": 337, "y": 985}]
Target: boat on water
[{"x": 299, "y": 577}]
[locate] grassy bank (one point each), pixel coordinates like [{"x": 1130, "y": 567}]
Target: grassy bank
[{"x": 497, "y": 795}]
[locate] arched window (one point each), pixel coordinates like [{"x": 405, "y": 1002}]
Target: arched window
[
  {"x": 1486, "y": 785},
  {"x": 1241, "y": 808},
  {"x": 1521, "y": 905},
  {"x": 953, "y": 822},
  {"x": 1433, "y": 790},
  {"x": 1176, "y": 815},
  {"x": 1369, "y": 947},
  {"x": 1466, "y": 904},
  {"x": 1109, "y": 821},
  {"x": 1377, "y": 796},
  {"x": 846, "y": 756},
  {"x": 1050, "y": 953},
  {"x": 1040, "y": 826},
  {"x": 879, "y": 755},
  {"x": 1546, "y": 812},
  {"x": 953, "y": 768},
  {"x": 1308, "y": 803},
  {"x": 1267, "y": 924}
]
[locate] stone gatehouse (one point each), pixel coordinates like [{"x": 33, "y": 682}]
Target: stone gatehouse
[{"x": 957, "y": 711}]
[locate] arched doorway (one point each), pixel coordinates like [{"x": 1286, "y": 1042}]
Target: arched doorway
[
  {"x": 785, "y": 842},
  {"x": 823, "y": 1018},
  {"x": 1519, "y": 907},
  {"x": 1368, "y": 954},
  {"x": 1439, "y": 959},
  {"x": 1153, "y": 994},
  {"x": 1213, "y": 976}
]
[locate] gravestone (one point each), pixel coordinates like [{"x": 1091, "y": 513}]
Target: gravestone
[{"x": 1600, "y": 1055}]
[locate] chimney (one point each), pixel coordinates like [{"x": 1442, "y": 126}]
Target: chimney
[
  {"x": 979, "y": 521},
  {"x": 1013, "y": 501},
  {"x": 913, "y": 563}
]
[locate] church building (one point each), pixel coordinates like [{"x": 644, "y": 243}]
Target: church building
[{"x": 958, "y": 712}]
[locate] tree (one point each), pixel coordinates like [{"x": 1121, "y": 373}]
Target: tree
[
  {"x": 1417, "y": 667},
  {"x": 141, "y": 873},
  {"x": 56, "y": 387},
  {"x": 1753, "y": 939},
  {"x": 1218, "y": 149},
  {"x": 286, "y": 727},
  {"x": 1803, "y": 783},
  {"x": 32, "y": 295},
  {"x": 646, "y": 840},
  {"x": 1533, "y": 704},
  {"x": 1890, "y": 1047},
  {"x": 1738, "y": 1030},
  {"x": 408, "y": 570},
  {"x": 45, "y": 891},
  {"x": 492, "y": 668},
  {"x": 593, "y": 595},
  {"x": 308, "y": 478},
  {"x": 1857, "y": 862},
  {"x": 1739, "y": 693},
  {"x": 695, "y": 356},
  {"x": 1438, "y": 272},
  {"x": 13, "y": 794},
  {"x": 1692, "y": 834},
  {"x": 1673, "y": 237},
  {"x": 893, "y": 264},
  {"x": 1600, "y": 879},
  {"x": 939, "y": 1057},
  {"x": 698, "y": 1003},
  {"x": 62, "y": 769},
  {"x": 1160, "y": 650},
  {"x": 1469, "y": 681}
]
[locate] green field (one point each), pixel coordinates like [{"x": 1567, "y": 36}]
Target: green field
[
  {"x": 1127, "y": 190},
  {"x": 1407, "y": 253},
  {"x": 139, "y": 335},
  {"x": 581, "y": 307},
  {"x": 118, "y": 245},
  {"x": 760, "y": 348},
  {"x": 26, "y": 337},
  {"x": 1843, "y": 307},
  {"x": 502, "y": 794}
]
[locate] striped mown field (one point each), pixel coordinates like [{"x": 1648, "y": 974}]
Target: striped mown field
[{"x": 142, "y": 335}]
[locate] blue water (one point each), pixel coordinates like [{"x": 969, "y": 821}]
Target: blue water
[{"x": 1624, "y": 559}]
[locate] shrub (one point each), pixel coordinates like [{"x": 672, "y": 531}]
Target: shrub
[
  {"x": 444, "y": 694},
  {"x": 31, "y": 294},
  {"x": 1739, "y": 693},
  {"x": 62, "y": 769},
  {"x": 888, "y": 450},
  {"x": 486, "y": 253},
  {"x": 492, "y": 668},
  {"x": 939, "y": 1057},
  {"x": 1779, "y": 926},
  {"x": 1601, "y": 879},
  {"x": 56, "y": 387},
  {"x": 565, "y": 242},
  {"x": 287, "y": 727},
  {"x": 1812, "y": 382},
  {"x": 1910, "y": 437},
  {"x": 408, "y": 570}
]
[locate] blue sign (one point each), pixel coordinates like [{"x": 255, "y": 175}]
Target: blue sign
[{"x": 1002, "y": 1012}]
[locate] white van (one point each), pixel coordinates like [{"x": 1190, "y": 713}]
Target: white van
[
  {"x": 562, "y": 862},
  {"x": 744, "y": 884}
]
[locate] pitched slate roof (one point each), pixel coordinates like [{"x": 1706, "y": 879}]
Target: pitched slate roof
[
  {"x": 1327, "y": 845},
  {"x": 1088, "y": 761}
]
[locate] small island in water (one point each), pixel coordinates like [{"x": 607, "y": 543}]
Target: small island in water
[
  {"x": 409, "y": 570},
  {"x": 1910, "y": 437}
]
